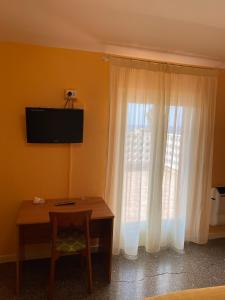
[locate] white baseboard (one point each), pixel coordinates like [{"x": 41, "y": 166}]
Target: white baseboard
[
  {"x": 32, "y": 254},
  {"x": 13, "y": 257},
  {"x": 218, "y": 236},
  {"x": 7, "y": 258}
]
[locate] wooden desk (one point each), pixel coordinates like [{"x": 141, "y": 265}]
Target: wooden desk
[{"x": 34, "y": 227}]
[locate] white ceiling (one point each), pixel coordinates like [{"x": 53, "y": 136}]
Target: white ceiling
[{"x": 184, "y": 27}]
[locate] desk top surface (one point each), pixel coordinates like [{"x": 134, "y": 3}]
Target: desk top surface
[{"x": 30, "y": 213}]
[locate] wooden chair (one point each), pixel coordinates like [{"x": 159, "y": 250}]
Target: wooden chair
[{"x": 70, "y": 234}]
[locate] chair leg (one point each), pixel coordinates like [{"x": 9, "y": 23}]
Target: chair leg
[
  {"x": 89, "y": 269},
  {"x": 51, "y": 279}
]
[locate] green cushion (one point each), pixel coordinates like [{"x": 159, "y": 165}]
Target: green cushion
[{"x": 70, "y": 240}]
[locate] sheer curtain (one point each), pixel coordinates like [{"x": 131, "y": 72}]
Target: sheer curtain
[{"x": 160, "y": 154}]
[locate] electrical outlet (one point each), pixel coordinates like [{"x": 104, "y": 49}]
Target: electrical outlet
[{"x": 72, "y": 94}]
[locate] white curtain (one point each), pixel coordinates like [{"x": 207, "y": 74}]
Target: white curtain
[{"x": 160, "y": 154}]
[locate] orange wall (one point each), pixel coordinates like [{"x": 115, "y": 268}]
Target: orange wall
[
  {"x": 219, "y": 137},
  {"x": 37, "y": 76}
]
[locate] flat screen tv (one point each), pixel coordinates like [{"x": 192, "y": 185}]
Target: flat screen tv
[{"x": 54, "y": 125}]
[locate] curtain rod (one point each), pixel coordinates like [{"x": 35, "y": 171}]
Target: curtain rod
[{"x": 107, "y": 57}]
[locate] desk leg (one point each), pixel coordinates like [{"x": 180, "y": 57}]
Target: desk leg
[
  {"x": 20, "y": 256},
  {"x": 109, "y": 239}
]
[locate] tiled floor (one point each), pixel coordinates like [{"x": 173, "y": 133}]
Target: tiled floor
[{"x": 198, "y": 266}]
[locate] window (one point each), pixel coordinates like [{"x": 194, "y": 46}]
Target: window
[{"x": 137, "y": 161}]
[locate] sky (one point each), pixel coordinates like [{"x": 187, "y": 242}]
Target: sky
[{"x": 138, "y": 116}]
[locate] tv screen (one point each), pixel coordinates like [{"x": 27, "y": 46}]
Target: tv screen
[{"x": 54, "y": 125}]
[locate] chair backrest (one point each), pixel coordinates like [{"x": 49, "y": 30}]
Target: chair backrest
[{"x": 79, "y": 220}]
